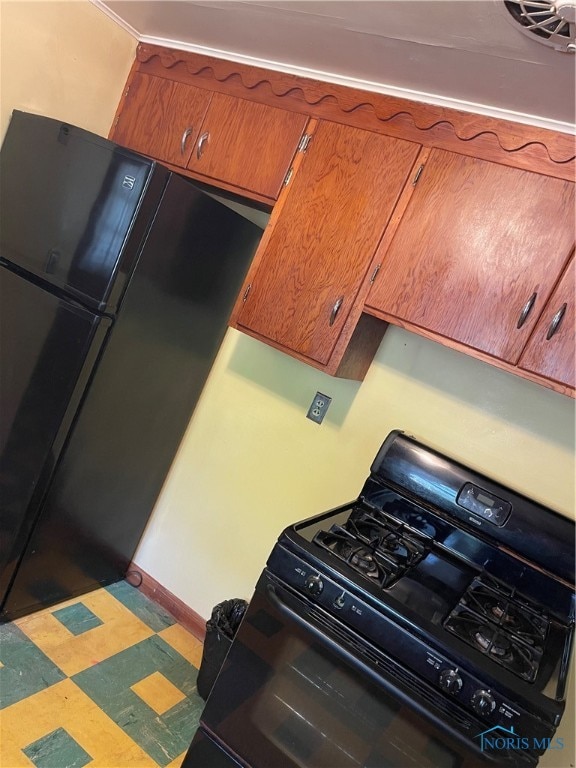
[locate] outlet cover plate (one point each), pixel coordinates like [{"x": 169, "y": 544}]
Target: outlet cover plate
[{"x": 318, "y": 407}]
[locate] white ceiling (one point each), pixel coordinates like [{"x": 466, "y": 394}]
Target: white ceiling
[{"x": 469, "y": 54}]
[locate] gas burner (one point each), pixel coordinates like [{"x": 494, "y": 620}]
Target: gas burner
[
  {"x": 501, "y": 647},
  {"x": 365, "y": 562},
  {"x": 388, "y": 536},
  {"x": 512, "y": 635},
  {"x": 379, "y": 548},
  {"x": 482, "y": 637},
  {"x": 493, "y": 642},
  {"x": 498, "y": 610},
  {"x": 390, "y": 542},
  {"x": 507, "y": 612},
  {"x": 357, "y": 555}
]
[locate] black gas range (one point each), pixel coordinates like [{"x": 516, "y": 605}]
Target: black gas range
[{"x": 447, "y": 589}]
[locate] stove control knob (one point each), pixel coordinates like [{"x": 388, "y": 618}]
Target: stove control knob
[
  {"x": 340, "y": 601},
  {"x": 450, "y": 681},
  {"x": 483, "y": 702},
  {"x": 314, "y": 584}
]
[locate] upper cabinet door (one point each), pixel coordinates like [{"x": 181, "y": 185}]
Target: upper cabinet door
[
  {"x": 162, "y": 118},
  {"x": 551, "y": 349},
  {"x": 317, "y": 250},
  {"x": 246, "y": 144},
  {"x": 477, "y": 253}
]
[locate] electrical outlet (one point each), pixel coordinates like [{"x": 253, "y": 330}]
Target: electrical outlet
[{"x": 318, "y": 408}]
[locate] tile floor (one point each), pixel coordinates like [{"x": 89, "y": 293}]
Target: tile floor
[{"x": 106, "y": 680}]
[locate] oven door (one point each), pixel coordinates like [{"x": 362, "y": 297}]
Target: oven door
[{"x": 294, "y": 691}]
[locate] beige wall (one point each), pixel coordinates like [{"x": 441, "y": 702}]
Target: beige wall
[
  {"x": 62, "y": 59},
  {"x": 251, "y": 463}
]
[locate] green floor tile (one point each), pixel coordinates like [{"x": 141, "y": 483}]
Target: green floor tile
[
  {"x": 147, "y": 611},
  {"x": 57, "y": 750},
  {"x": 25, "y": 668},
  {"x": 77, "y": 618},
  {"x": 163, "y": 737}
]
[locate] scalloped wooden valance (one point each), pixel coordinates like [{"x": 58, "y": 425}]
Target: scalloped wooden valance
[{"x": 510, "y": 143}]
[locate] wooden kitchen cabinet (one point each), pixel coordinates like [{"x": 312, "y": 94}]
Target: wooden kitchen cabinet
[
  {"x": 476, "y": 254},
  {"x": 551, "y": 349},
  {"x": 301, "y": 292},
  {"x": 244, "y": 144},
  {"x": 247, "y": 144},
  {"x": 469, "y": 255},
  {"x": 161, "y": 118}
]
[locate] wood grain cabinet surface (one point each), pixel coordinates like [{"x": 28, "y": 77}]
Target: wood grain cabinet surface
[
  {"x": 472, "y": 252},
  {"x": 161, "y": 118},
  {"x": 321, "y": 239},
  {"x": 551, "y": 350},
  {"x": 247, "y": 145},
  {"x": 476, "y": 254}
]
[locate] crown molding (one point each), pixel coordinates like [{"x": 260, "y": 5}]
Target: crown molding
[
  {"x": 343, "y": 80},
  {"x": 117, "y": 19},
  {"x": 365, "y": 85}
]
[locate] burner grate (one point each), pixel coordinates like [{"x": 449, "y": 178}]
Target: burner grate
[
  {"x": 501, "y": 627},
  {"x": 379, "y": 548},
  {"x": 503, "y": 610}
]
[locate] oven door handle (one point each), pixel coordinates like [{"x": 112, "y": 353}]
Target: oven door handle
[{"x": 390, "y": 684}]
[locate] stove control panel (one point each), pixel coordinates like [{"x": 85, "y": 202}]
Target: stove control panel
[
  {"x": 484, "y": 504},
  {"x": 470, "y": 692},
  {"x": 400, "y": 643}
]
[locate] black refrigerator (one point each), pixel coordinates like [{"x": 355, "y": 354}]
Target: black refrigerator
[{"x": 117, "y": 278}]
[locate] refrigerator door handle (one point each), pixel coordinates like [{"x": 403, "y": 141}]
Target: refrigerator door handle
[{"x": 52, "y": 259}]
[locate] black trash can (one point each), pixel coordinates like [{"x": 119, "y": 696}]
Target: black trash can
[{"x": 221, "y": 628}]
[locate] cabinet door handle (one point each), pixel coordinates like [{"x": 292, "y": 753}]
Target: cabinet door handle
[
  {"x": 526, "y": 309},
  {"x": 335, "y": 310},
  {"x": 556, "y": 320},
  {"x": 200, "y": 146},
  {"x": 185, "y": 135}
]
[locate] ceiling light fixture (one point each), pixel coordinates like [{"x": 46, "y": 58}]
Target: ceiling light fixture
[{"x": 551, "y": 23}]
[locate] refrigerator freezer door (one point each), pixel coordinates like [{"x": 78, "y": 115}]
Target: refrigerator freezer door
[
  {"x": 174, "y": 316},
  {"x": 69, "y": 205},
  {"x": 49, "y": 348}
]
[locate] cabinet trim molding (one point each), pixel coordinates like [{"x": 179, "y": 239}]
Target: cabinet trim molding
[{"x": 516, "y": 144}]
